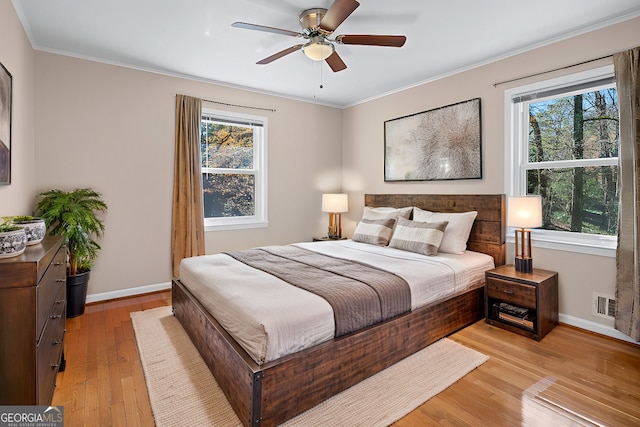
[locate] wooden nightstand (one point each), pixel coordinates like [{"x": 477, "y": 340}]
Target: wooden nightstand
[
  {"x": 327, "y": 239},
  {"x": 537, "y": 292}
]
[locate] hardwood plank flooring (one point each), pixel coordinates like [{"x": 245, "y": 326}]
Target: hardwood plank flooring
[
  {"x": 569, "y": 376},
  {"x": 103, "y": 383}
]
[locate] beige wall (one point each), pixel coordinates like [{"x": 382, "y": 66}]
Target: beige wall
[
  {"x": 363, "y": 140},
  {"x": 78, "y": 123},
  {"x": 112, "y": 129},
  {"x": 18, "y": 57}
]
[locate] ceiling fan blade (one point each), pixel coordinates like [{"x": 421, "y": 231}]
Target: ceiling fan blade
[
  {"x": 372, "y": 40},
  {"x": 256, "y": 27},
  {"x": 279, "y": 54},
  {"x": 335, "y": 62},
  {"x": 337, "y": 13}
]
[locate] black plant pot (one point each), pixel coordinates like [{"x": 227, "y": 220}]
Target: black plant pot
[{"x": 77, "y": 294}]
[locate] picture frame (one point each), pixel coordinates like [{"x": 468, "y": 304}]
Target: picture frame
[
  {"x": 440, "y": 144},
  {"x": 6, "y": 93}
]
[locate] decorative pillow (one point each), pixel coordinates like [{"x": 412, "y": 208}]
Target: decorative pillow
[
  {"x": 375, "y": 228},
  {"x": 457, "y": 231},
  {"x": 420, "y": 237},
  {"x": 374, "y": 231}
]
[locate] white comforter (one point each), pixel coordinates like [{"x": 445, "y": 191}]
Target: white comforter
[{"x": 271, "y": 318}]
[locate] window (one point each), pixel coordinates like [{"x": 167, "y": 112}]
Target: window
[
  {"x": 562, "y": 144},
  {"x": 232, "y": 149}
]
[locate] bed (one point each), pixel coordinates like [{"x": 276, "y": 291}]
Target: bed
[{"x": 269, "y": 392}]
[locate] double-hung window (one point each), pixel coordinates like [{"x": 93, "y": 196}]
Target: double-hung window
[
  {"x": 233, "y": 156},
  {"x": 562, "y": 144}
]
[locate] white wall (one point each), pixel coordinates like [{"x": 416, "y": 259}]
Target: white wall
[
  {"x": 363, "y": 155},
  {"x": 18, "y": 57},
  {"x": 112, "y": 129}
]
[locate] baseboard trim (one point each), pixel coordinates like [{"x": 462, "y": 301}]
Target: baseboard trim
[
  {"x": 598, "y": 328},
  {"x": 128, "y": 292}
]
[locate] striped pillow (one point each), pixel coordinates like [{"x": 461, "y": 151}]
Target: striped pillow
[
  {"x": 420, "y": 237},
  {"x": 374, "y": 231}
]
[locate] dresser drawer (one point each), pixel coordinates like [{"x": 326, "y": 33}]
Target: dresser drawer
[
  {"x": 49, "y": 352},
  {"x": 32, "y": 290},
  {"x": 511, "y": 292},
  {"x": 49, "y": 287}
]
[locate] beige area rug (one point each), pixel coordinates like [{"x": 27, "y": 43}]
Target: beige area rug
[{"x": 183, "y": 392}]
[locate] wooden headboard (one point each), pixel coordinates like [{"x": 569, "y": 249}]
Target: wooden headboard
[{"x": 489, "y": 229}]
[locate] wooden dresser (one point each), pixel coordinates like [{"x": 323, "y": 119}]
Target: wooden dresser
[{"x": 32, "y": 322}]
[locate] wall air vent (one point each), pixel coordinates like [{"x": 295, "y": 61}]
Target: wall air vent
[{"x": 604, "y": 305}]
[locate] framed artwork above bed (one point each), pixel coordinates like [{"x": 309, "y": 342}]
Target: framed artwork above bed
[{"x": 440, "y": 144}]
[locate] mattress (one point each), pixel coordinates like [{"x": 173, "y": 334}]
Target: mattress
[{"x": 270, "y": 318}]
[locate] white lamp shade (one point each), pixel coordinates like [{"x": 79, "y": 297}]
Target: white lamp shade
[
  {"x": 524, "y": 211},
  {"x": 335, "y": 203}
]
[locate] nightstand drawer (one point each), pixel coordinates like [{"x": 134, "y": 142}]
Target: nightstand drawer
[{"x": 511, "y": 292}]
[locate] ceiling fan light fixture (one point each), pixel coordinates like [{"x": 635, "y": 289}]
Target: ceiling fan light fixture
[{"x": 318, "y": 50}]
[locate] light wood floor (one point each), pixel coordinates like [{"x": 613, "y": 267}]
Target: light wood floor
[
  {"x": 103, "y": 383},
  {"x": 523, "y": 383}
]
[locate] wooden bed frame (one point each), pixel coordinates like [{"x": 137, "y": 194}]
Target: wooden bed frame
[{"x": 277, "y": 391}]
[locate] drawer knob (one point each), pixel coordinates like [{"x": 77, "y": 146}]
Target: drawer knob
[
  {"x": 56, "y": 342},
  {"x": 59, "y": 301},
  {"x": 54, "y": 365},
  {"x": 60, "y": 280},
  {"x": 57, "y": 263},
  {"x": 508, "y": 292},
  {"x": 55, "y": 316}
]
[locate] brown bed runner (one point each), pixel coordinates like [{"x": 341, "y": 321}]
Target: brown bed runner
[{"x": 359, "y": 294}]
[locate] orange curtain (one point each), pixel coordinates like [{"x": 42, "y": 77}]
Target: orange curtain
[
  {"x": 187, "y": 231},
  {"x": 627, "y": 69}
]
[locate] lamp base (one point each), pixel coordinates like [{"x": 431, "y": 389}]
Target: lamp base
[
  {"x": 335, "y": 225},
  {"x": 524, "y": 265}
]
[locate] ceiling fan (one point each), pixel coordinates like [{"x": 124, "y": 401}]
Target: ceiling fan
[{"x": 318, "y": 24}]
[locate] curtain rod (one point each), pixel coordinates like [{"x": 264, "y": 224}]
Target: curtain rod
[
  {"x": 236, "y": 105},
  {"x": 550, "y": 71}
]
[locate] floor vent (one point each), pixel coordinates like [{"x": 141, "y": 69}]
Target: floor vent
[{"x": 604, "y": 305}]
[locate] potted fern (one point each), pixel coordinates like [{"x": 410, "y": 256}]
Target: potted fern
[{"x": 74, "y": 215}]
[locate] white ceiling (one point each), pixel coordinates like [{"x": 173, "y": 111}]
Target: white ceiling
[{"x": 194, "y": 38}]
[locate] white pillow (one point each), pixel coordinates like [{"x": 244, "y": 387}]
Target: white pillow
[
  {"x": 458, "y": 228},
  {"x": 416, "y": 236},
  {"x": 380, "y": 213}
]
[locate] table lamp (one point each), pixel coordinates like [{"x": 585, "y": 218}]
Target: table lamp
[
  {"x": 335, "y": 204},
  {"x": 524, "y": 212}
]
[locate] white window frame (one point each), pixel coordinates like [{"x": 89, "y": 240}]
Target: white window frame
[
  {"x": 260, "y": 219},
  {"x": 516, "y": 165}
]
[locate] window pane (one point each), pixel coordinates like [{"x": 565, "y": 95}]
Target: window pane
[
  {"x": 228, "y": 195},
  {"x": 224, "y": 146},
  {"x": 582, "y": 200},
  {"x": 583, "y": 126}
]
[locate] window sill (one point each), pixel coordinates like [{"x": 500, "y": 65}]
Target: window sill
[
  {"x": 236, "y": 226},
  {"x": 603, "y": 247}
]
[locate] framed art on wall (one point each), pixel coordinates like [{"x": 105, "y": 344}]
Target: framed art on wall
[
  {"x": 5, "y": 125},
  {"x": 440, "y": 144}
]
